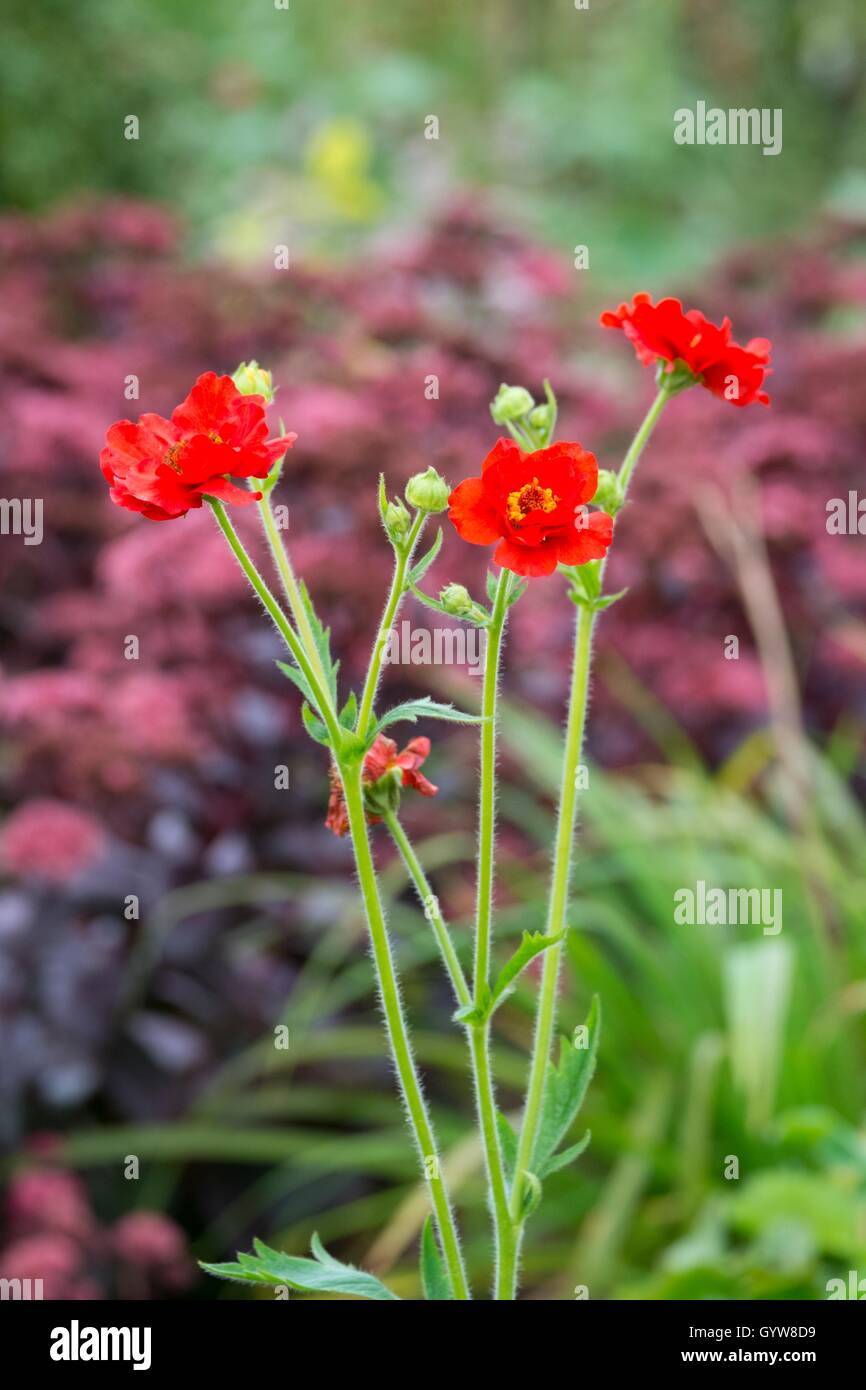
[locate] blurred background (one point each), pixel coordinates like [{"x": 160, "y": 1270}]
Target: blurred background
[{"x": 163, "y": 906}]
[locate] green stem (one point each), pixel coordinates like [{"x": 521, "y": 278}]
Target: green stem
[
  {"x": 398, "y": 1035},
  {"x": 430, "y": 904},
  {"x": 479, "y": 1037},
  {"x": 291, "y": 588},
  {"x": 398, "y": 588},
  {"x": 564, "y": 844},
  {"x": 279, "y": 619}
]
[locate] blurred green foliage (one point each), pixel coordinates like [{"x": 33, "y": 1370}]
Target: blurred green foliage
[{"x": 306, "y": 124}]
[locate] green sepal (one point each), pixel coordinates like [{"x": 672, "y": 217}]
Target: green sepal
[
  {"x": 323, "y": 1274},
  {"x": 349, "y": 713},
  {"x": 434, "y": 1279}
]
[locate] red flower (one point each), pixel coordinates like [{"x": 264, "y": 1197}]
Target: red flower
[
  {"x": 381, "y": 760},
  {"x": 665, "y": 331},
  {"x": 163, "y": 468},
  {"x": 534, "y": 505}
]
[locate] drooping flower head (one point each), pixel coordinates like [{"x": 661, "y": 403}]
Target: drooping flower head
[
  {"x": 385, "y": 770},
  {"x": 665, "y": 333},
  {"x": 164, "y": 468},
  {"x": 535, "y": 506}
]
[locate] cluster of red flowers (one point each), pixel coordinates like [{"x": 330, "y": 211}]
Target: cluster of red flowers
[
  {"x": 665, "y": 331},
  {"x": 164, "y": 468}
]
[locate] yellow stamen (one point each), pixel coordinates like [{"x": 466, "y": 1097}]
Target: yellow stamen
[
  {"x": 695, "y": 340},
  {"x": 532, "y": 497}
]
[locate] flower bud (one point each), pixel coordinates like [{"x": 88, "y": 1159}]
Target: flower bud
[
  {"x": 397, "y": 521},
  {"x": 428, "y": 492},
  {"x": 253, "y": 380},
  {"x": 456, "y": 600},
  {"x": 541, "y": 417},
  {"x": 511, "y": 403},
  {"x": 608, "y": 494}
]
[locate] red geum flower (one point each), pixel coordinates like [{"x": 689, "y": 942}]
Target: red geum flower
[
  {"x": 534, "y": 505},
  {"x": 666, "y": 331},
  {"x": 382, "y": 760},
  {"x": 163, "y": 468}
]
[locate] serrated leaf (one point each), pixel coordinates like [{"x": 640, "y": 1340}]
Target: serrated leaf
[
  {"x": 565, "y": 1089},
  {"x": 323, "y": 1274},
  {"x": 425, "y": 708},
  {"x": 322, "y": 639},
  {"x": 566, "y": 1156},
  {"x": 508, "y": 1144},
  {"x": 434, "y": 1279},
  {"x": 416, "y": 574},
  {"x": 297, "y": 677},
  {"x": 314, "y": 727},
  {"x": 531, "y": 944}
]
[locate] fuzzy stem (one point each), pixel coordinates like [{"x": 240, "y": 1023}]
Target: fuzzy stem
[
  {"x": 279, "y": 619},
  {"x": 479, "y": 1036},
  {"x": 430, "y": 904},
  {"x": 402, "y": 556},
  {"x": 561, "y": 871},
  {"x": 291, "y": 588},
  {"x": 398, "y": 1035}
]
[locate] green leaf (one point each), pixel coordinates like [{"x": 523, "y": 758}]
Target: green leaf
[
  {"x": 607, "y": 599},
  {"x": 416, "y": 574},
  {"x": 508, "y": 1144},
  {"x": 322, "y": 639},
  {"x": 492, "y": 585},
  {"x": 564, "y": 1157},
  {"x": 434, "y": 1279},
  {"x": 474, "y": 1014},
  {"x": 349, "y": 712},
  {"x": 314, "y": 727},
  {"x": 323, "y": 1274},
  {"x": 517, "y": 592},
  {"x": 565, "y": 1089},
  {"x": 383, "y": 498},
  {"x": 297, "y": 677},
  {"x": 425, "y": 708},
  {"x": 531, "y": 944}
]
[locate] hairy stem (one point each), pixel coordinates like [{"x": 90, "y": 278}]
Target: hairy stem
[
  {"x": 398, "y": 588},
  {"x": 430, "y": 904},
  {"x": 291, "y": 588},
  {"x": 564, "y": 844},
  {"x": 398, "y": 1034},
  {"x": 279, "y": 619}
]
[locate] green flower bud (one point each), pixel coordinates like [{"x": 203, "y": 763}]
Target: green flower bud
[
  {"x": 397, "y": 521},
  {"x": 608, "y": 494},
  {"x": 541, "y": 418},
  {"x": 456, "y": 600},
  {"x": 511, "y": 403},
  {"x": 253, "y": 380},
  {"x": 383, "y": 795},
  {"x": 428, "y": 492}
]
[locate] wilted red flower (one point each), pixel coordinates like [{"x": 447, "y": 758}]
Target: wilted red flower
[
  {"x": 381, "y": 760},
  {"x": 534, "y": 505},
  {"x": 50, "y": 840},
  {"x": 163, "y": 468},
  {"x": 666, "y": 331}
]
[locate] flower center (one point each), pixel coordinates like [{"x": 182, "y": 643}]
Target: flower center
[
  {"x": 171, "y": 456},
  {"x": 532, "y": 497}
]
